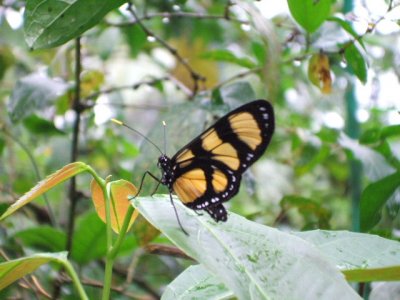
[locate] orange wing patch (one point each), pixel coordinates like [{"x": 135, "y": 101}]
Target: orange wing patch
[
  {"x": 246, "y": 128},
  {"x": 221, "y": 151},
  {"x": 210, "y": 140},
  {"x": 219, "y": 181},
  {"x": 191, "y": 185},
  {"x": 185, "y": 158}
]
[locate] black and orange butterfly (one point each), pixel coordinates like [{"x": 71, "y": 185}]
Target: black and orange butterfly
[{"x": 207, "y": 171}]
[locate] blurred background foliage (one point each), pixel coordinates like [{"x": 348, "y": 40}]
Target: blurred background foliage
[{"x": 331, "y": 72}]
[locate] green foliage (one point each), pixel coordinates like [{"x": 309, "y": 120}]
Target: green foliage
[
  {"x": 159, "y": 61},
  {"x": 243, "y": 247},
  {"x": 52, "y": 23},
  {"x": 310, "y": 14}
]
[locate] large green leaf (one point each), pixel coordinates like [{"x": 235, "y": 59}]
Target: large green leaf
[
  {"x": 254, "y": 261},
  {"x": 32, "y": 93},
  {"x": 196, "y": 283},
  {"x": 374, "y": 198},
  {"x": 362, "y": 257},
  {"x": 310, "y": 14},
  {"x": 50, "y": 23}
]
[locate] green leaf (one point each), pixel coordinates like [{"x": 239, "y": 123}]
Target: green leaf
[
  {"x": 41, "y": 126},
  {"x": 356, "y": 62},
  {"x": 2, "y": 145},
  {"x": 90, "y": 240},
  {"x": 196, "y": 283},
  {"x": 312, "y": 157},
  {"x": 362, "y": 257},
  {"x": 374, "y": 164},
  {"x": 328, "y": 135},
  {"x": 307, "y": 208},
  {"x": 390, "y": 131},
  {"x": 254, "y": 261},
  {"x": 33, "y": 93},
  {"x": 259, "y": 52},
  {"x": 136, "y": 39},
  {"x": 228, "y": 56},
  {"x": 50, "y": 23},
  {"x": 310, "y": 14},
  {"x": 45, "y": 238},
  {"x": 12, "y": 270},
  {"x": 374, "y": 198},
  {"x": 347, "y": 26},
  {"x": 216, "y": 97}
]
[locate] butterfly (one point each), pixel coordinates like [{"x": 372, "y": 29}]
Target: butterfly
[{"x": 207, "y": 171}]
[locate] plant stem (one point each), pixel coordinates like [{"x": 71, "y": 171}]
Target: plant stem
[
  {"x": 73, "y": 195},
  {"x": 131, "y": 211},
  {"x": 75, "y": 279}
]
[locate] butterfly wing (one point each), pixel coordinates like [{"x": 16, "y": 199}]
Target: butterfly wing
[{"x": 207, "y": 171}]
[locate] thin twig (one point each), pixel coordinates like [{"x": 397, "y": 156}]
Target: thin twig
[
  {"x": 238, "y": 76},
  {"x": 75, "y": 144},
  {"x": 172, "y": 15},
  {"x": 134, "y": 86},
  {"x": 196, "y": 77}
]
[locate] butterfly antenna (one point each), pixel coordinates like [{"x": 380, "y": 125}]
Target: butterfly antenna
[
  {"x": 165, "y": 137},
  {"x": 142, "y": 135}
]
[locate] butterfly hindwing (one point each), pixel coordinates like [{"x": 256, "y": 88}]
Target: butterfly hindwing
[{"x": 207, "y": 171}]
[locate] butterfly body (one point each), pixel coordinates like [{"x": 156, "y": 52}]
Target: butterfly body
[{"x": 208, "y": 171}]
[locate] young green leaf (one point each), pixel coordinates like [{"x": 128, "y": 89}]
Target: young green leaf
[
  {"x": 43, "y": 186},
  {"x": 121, "y": 190},
  {"x": 310, "y": 14},
  {"x": 12, "y": 270}
]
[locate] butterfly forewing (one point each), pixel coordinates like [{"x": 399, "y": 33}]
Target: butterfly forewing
[{"x": 208, "y": 170}]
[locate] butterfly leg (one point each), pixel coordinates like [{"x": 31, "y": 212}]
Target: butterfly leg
[
  {"x": 176, "y": 214},
  {"x": 198, "y": 212},
  {"x": 141, "y": 183}
]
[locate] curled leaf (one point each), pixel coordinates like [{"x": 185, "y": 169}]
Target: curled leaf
[
  {"x": 319, "y": 72},
  {"x": 121, "y": 190}
]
